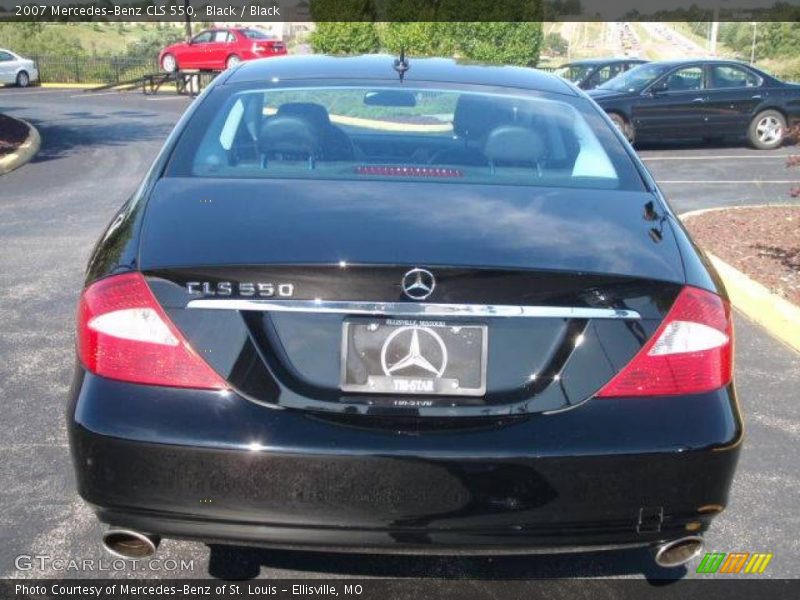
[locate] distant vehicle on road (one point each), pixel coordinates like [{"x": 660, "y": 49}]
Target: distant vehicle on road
[
  {"x": 588, "y": 74},
  {"x": 220, "y": 48},
  {"x": 17, "y": 70},
  {"x": 701, "y": 99}
]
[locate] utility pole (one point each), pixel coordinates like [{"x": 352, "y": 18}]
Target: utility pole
[
  {"x": 188, "y": 23},
  {"x": 712, "y": 44},
  {"x": 753, "y": 47}
]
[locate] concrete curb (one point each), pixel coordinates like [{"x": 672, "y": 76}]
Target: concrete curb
[
  {"x": 69, "y": 86},
  {"x": 777, "y": 315},
  {"x": 24, "y": 153}
]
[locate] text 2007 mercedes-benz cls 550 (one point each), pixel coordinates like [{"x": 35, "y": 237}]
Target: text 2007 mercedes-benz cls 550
[{"x": 409, "y": 306}]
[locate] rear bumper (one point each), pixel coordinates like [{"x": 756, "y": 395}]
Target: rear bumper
[{"x": 222, "y": 469}]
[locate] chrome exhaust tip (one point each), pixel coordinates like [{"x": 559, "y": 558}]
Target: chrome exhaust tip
[
  {"x": 124, "y": 543},
  {"x": 678, "y": 552}
]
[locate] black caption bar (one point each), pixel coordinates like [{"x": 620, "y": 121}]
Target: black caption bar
[
  {"x": 384, "y": 589},
  {"x": 399, "y": 10}
]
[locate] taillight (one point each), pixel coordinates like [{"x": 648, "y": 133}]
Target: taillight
[
  {"x": 124, "y": 334},
  {"x": 690, "y": 352}
]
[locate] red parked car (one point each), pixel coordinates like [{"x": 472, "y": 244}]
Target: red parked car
[{"x": 220, "y": 48}]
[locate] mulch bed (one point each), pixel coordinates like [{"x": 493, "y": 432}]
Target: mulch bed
[
  {"x": 12, "y": 134},
  {"x": 762, "y": 242}
]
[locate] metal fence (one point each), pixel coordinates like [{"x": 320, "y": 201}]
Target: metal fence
[
  {"x": 102, "y": 69},
  {"x": 92, "y": 69}
]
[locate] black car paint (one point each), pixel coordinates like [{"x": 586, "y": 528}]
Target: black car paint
[
  {"x": 233, "y": 467},
  {"x": 699, "y": 113},
  {"x": 228, "y": 469}
]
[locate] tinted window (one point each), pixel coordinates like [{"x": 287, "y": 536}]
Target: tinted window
[
  {"x": 690, "y": 78},
  {"x": 222, "y": 36},
  {"x": 203, "y": 38},
  {"x": 636, "y": 79},
  {"x": 728, "y": 76},
  {"x": 574, "y": 73},
  {"x": 5, "y": 56},
  {"x": 606, "y": 73},
  {"x": 424, "y": 134},
  {"x": 255, "y": 34}
]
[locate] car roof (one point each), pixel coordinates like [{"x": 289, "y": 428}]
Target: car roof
[
  {"x": 604, "y": 61},
  {"x": 675, "y": 62},
  {"x": 377, "y": 67}
]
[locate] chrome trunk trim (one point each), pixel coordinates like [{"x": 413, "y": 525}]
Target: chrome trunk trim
[{"x": 412, "y": 309}]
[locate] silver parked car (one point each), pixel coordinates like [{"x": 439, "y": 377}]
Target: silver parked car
[{"x": 17, "y": 70}]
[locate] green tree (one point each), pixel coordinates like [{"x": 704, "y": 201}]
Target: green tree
[
  {"x": 501, "y": 43},
  {"x": 426, "y": 38}
]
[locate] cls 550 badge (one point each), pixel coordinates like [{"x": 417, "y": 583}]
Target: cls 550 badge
[{"x": 245, "y": 289}]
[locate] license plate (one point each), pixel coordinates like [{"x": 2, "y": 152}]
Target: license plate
[{"x": 433, "y": 358}]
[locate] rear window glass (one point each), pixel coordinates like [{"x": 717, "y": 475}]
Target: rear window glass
[
  {"x": 404, "y": 133},
  {"x": 255, "y": 34},
  {"x": 574, "y": 73}
]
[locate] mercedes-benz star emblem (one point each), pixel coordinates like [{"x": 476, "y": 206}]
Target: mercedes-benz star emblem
[
  {"x": 418, "y": 284},
  {"x": 434, "y": 363}
]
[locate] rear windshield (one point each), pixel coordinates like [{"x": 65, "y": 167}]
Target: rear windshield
[
  {"x": 352, "y": 133},
  {"x": 574, "y": 73},
  {"x": 255, "y": 34}
]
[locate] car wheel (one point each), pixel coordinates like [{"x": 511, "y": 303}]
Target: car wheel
[
  {"x": 23, "y": 79},
  {"x": 623, "y": 125},
  {"x": 767, "y": 130},
  {"x": 169, "y": 64},
  {"x": 232, "y": 61}
]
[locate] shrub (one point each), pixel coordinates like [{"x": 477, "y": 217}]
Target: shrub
[
  {"x": 345, "y": 38},
  {"x": 555, "y": 43}
]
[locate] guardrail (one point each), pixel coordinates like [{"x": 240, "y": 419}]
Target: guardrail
[{"x": 92, "y": 69}]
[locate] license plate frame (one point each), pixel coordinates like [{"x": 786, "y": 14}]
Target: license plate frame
[{"x": 381, "y": 356}]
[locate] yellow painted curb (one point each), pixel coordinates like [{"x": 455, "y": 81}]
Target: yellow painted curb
[
  {"x": 70, "y": 86},
  {"x": 389, "y": 126},
  {"x": 382, "y": 125},
  {"x": 24, "y": 153},
  {"x": 778, "y": 316}
]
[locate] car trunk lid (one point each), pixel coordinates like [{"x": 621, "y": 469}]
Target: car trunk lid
[{"x": 563, "y": 285}]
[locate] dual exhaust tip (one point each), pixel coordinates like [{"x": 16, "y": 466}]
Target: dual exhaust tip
[
  {"x": 128, "y": 544},
  {"x": 125, "y": 543}
]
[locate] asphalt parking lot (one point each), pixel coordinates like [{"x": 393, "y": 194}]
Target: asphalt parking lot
[{"x": 94, "y": 152}]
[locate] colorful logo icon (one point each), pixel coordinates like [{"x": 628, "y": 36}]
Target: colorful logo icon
[{"x": 734, "y": 562}]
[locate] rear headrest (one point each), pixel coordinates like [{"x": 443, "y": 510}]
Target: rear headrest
[
  {"x": 515, "y": 145},
  {"x": 316, "y": 114},
  {"x": 475, "y": 116},
  {"x": 288, "y": 135}
]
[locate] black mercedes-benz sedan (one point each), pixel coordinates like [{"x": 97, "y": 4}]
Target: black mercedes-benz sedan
[
  {"x": 370, "y": 304},
  {"x": 589, "y": 73},
  {"x": 710, "y": 99}
]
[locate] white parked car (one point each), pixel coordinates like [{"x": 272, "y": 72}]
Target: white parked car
[{"x": 15, "y": 69}]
